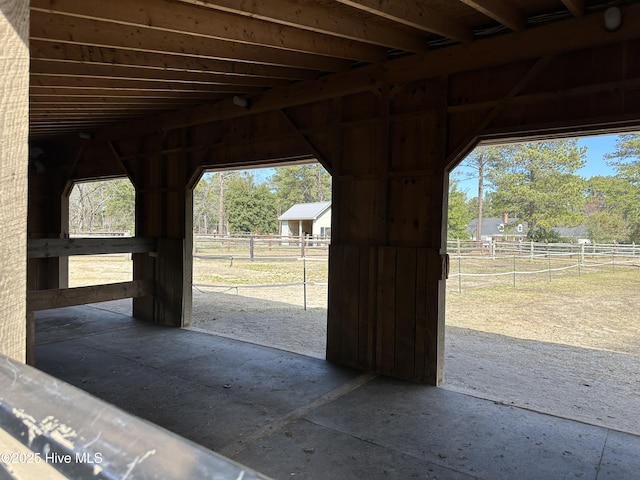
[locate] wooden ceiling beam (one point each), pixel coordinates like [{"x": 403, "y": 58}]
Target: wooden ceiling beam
[
  {"x": 182, "y": 18},
  {"x": 576, "y": 7},
  {"x": 415, "y": 14},
  {"x": 71, "y": 101},
  {"x": 93, "y": 107},
  {"x": 70, "y": 92},
  {"x": 84, "y": 70},
  {"x": 45, "y": 50},
  {"x": 321, "y": 20},
  {"x": 40, "y": 80},
  {"x": 60, "y": 28},
  {"x": 553, "y": 38},
  {"x": 501, "y": 11}
]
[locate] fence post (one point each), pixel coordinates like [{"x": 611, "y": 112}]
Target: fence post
[
  {"x": 459, "y": 274},
  {"x": 532, "y": 248},
  {"x": 304, "y": 280},
  {"x": 613, "y": 260},
  {"x": 251, "y": 247},
  {"x": 514, "y": 270},
  {"x": 302, "y": 245},
  {"x": 549, "y": 257}
]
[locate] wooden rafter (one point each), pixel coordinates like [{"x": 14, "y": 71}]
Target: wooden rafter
[
  {"x": 576, "y": 7},
  {"x": 501, "y": 11},
  {"x": 96, "y": 55},
  {"x": 317, "y": 19},
  {"x": 181, "y": 18},
  {"x": 108, "y": 34},
  {"x": 117, "y": 72},
  {"x": 532, "y": 43},
  {"x": 414, "y": 13}
]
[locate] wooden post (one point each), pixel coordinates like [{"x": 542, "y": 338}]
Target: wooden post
[{"x": 14, "y": 131}]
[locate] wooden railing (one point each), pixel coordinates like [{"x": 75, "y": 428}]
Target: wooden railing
[{"x": 66, "y": 297}]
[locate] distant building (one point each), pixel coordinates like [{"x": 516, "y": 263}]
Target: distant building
[
  {"x": 499, "y": 229},
  {"x": 577, "y": 234},
  {"x": 313, "y": 219}
]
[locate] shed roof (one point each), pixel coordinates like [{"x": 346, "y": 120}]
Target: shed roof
[{"x": 305, "y": 211}]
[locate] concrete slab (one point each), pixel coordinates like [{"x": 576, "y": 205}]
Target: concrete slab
[
  {"x": 305, "y": 450},
  {"x": 473, "y": 436},
  {"x": 292, "y": 416},
  {"x": 620, "y": 458}
]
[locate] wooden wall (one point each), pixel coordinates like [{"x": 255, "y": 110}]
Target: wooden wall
[{"x": 14, "y": 109}]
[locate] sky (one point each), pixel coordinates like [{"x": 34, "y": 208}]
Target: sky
[
  {"x": 597, "y": 146},
  {"x": 595, "y": 164}
]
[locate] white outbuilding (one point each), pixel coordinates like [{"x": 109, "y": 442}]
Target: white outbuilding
[{"x": 310, "y": 219}]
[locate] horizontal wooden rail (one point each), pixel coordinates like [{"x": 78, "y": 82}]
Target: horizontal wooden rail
[
  {"x": 64, "y": 247},
  {"x": 68, "y": 297}
]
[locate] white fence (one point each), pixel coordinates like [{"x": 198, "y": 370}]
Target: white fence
[{"x": 482, "y": 264}]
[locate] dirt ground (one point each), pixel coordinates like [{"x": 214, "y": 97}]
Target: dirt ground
[{"x": 570, "y": 347}]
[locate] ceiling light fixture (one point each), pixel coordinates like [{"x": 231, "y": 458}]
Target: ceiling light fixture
[
  {"x": 612, "y": 19},
  {"x": 241, "y": 102}
]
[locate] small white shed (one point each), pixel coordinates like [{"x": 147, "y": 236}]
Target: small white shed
[{"x": 312, "y": 219}]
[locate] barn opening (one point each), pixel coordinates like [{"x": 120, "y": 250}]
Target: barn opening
[
  {"x": 103, "y": 209},
  {"x": 260, "y": 255},
  {"x": 541, "y": 298}
]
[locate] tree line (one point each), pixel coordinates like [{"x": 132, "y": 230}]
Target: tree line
[{"x": 537, "y": 183}]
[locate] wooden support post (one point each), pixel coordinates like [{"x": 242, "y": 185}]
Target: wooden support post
[
  {"x": 386, "y": 279},
  {"x": 14, "y": 131}
]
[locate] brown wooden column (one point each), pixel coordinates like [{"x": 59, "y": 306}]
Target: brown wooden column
[
  {"x": 163, "y": 206},
  {"x": 386, "y": 312},
  {"x": 14, "y": 130},
  {"x": 48, "y": 217}
]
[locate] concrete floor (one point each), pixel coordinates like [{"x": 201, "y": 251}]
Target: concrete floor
[{"x": 291, "y": 416}]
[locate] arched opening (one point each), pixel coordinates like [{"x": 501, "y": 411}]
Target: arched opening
[
  {"x": 260, "y": 256},
  {"x": 102, "y": 209},
  {"x": 542, "y": 289}
]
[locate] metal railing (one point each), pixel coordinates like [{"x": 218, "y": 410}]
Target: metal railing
[{"x": 52, "y": 430}]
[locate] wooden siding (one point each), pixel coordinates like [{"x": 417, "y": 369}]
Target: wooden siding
[{"x": 14, "y": 110}]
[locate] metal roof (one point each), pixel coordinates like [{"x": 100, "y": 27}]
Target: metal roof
[{"x": 305, "y": 211}]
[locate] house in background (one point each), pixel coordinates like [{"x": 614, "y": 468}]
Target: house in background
[
  {"x": 313, "y": 219},
  {"x": 577, "y": 234},
  {"x": 499, "y": 229}
]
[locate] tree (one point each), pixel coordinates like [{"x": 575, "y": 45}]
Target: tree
[
  {"x": 607, "y": 227},
  {"x": 479, "y": 162},
  {"x": 626, "y": 160},
  {"x": 249, "y": 207},
  {"x": 205, "y": 206},
  {"x": 300, "y": 184},
  {"x": 105, "y": 205},
  {"x": 459, "y": 214},
  {"x": 536, "y": 182},
  {"x": 119, "y": 206}
]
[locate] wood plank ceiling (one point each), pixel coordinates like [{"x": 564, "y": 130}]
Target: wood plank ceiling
[{"x": 95, "y": 62}]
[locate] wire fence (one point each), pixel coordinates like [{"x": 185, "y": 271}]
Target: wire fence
[
  {"x": 488, "y": 264},
  {"x": 292, "y": 264}
]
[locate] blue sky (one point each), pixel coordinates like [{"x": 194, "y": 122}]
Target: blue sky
[{"x": 597, "y": 146}]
